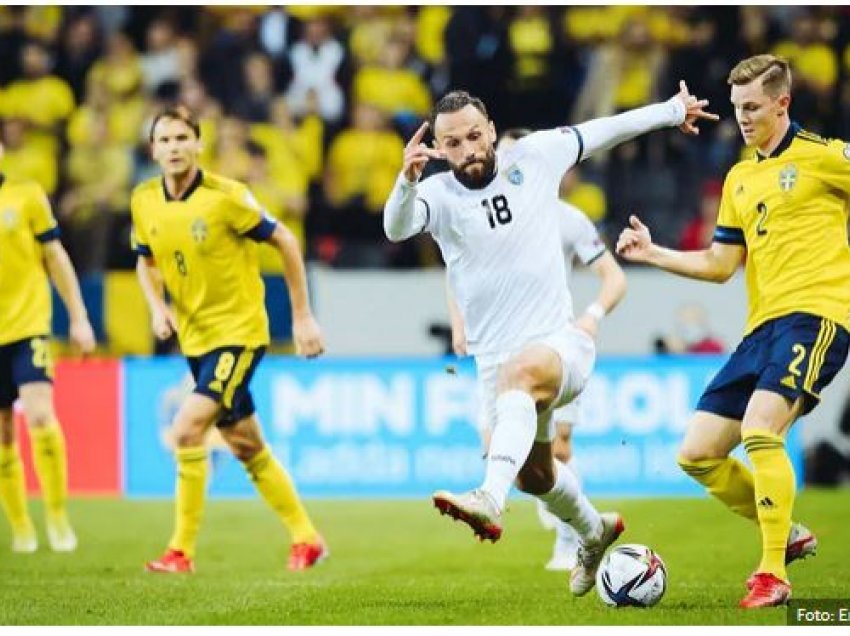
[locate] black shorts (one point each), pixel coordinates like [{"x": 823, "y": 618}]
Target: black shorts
[
  {"x": 795, "y": 355},
  {"x": 22, "y": 362},
  {"x": 224, "y": 375}
]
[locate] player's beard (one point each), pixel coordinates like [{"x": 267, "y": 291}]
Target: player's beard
[{"x": 476, "y": 182}]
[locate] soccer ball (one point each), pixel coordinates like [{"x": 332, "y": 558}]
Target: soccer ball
[{"x": 631, "y": 574}]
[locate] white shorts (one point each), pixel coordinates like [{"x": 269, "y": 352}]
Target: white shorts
[{"x": 577, "y": 353}]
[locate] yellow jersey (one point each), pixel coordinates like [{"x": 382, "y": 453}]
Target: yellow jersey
[
  {"x": 26, "y": 222},
  {"x": 204, "y": 246},
  {"x": 789, "y": 210}
]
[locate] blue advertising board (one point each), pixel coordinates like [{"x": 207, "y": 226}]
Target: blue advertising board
[{"x": 403, "y": 427}]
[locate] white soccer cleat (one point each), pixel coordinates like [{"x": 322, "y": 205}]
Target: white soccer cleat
[
  {"x": 60, "y": 535},
  {"x": 475, "y": 508},
  {"x": 565, "y": 550},
  {"x": 24, "y": 543},
  {"x": 801, "y": 543},
  {"x": 590, "y": 554}
]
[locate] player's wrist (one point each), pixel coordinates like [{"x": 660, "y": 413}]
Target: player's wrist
[{"x": 595, "y": 311}]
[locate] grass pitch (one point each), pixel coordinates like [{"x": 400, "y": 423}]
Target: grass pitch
[{"x": 399, "y": 563}]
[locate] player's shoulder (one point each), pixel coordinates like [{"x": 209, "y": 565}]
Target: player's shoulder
[
  {"x": 146, "y": 188},
  {"x": 809, "y": 139},
  {"x": 23, "y": 187},
  {"x": 223, "y": 185}
]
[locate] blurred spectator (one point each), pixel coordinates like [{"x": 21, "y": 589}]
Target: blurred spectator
[
  {"x": 699, "y": 233},
  {"x": 255, "y": 103},
  {"x": 315, "y": 61},
  {"x": 231, "y": 158},
  {"x": 222, "y": 61},
  {"x": 42, "y": 100},
  {"x": 22, "y": 160},
  {"x": 161, "y": 61},
  {"x": 532, "y": 43},
  {"x": 692, "y": 333},
  {"x": 393, "y": 88},
  {"x": 372, "y": 27},
  {"x": 94, "y": 207},
  {"x": 294, "y": 150},
  {"x": 363, "y": 163},
  {"x": 120, "y": 70},
  {"x": 193, "y": 94},
  {"x": 79, "y": 49},
  {"x": 585, "y": 195}
]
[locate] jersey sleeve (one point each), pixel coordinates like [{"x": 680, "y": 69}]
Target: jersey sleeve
[
  {"x": 835, "y": 164},
  {"x": 729, "y": 228},
  {"x": 560, "y": 148},
  {"x": 248, "y": 218},
  {"x": 580, "y": 233},
  {"x": 42, "y": 222}
]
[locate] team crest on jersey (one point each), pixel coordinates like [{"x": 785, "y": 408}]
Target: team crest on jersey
[
  {"x": 10, "y": 218},
  {"x": 199, "y": 230},
  {"x": 739, "y": 190},
  {"x": 788, "y": 177},
  {"x": 515, "y": 175}
]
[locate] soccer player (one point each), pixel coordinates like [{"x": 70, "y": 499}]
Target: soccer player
[
  {"x": 786, "y": 210},
  {"x": 496, "y": 222},
  {"x": 30, "y": 252},
  {"x": 579, "y": 240},
  {"x": 195, "y": 233}
]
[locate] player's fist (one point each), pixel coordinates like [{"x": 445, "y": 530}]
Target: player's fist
[
  {"x": 635, "y": 242},
  {"x": 82, "y": 335},
  {"x": 163, "y": 323},
  {"x": 307, "y": 337},
  {"x": 417, "y": 155}
]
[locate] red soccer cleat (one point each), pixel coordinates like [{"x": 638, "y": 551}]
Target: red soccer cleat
[
  {"x": 767, "y": 591},
  {"x": 172, "y": 562},
  {"x": 303, "y": 556}
]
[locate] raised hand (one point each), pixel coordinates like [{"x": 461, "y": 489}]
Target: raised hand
[
  {"x": 417, "y": 155},
  {"x": 635, "y": 242},
  {"x": 694, "y": 108}
]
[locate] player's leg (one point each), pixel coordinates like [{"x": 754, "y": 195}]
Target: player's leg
[
  {"x": 245, "y": 439},
  {"x": 704, "y": 456},
  {"x": 191, "y": 423},
  {"x": 566, "y": 544},
  {"x": 32, "y": 369},
  {"x": 13, "y": 495}
]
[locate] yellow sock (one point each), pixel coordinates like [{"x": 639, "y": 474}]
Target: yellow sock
[
  {"x": 51, "y": 466},
  {"x": 276, "y": 487},
  {"x": 189, "y": 498},
  {"x": 775, "y": 489},
  {"x": 13, "y": 493},
  {"x": 728, "y": 480}
]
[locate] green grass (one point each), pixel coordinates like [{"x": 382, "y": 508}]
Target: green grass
[{"x": 398, "y": 563}]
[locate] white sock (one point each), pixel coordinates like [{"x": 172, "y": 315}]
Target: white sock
[
  {"x": 573, "y": 467},
  {"x": 516, "y": 425},
  {"x": 567, "y": 502}
]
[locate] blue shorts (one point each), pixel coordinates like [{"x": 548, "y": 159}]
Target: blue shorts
[
  {"x": 22, "y": 362},
  {"x": 795, "y": 355},
  {"x": 224, "y": 375}
]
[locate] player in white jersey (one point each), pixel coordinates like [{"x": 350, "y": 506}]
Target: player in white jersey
[
  {"x": 497, "y": 228},
  {"x": 579, "y": 241}
]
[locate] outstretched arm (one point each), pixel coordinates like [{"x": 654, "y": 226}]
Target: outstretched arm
[
  {"x": 682, "y": 110},
  {"x": 715, "y": 264}
]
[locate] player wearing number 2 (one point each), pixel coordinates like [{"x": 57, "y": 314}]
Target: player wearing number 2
[
  {"x": 195, "y": 235},
  {"x": 786, "y": 209},
  {"x": 495, "y": 218}
]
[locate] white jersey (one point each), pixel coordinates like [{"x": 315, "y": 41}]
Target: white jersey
[
  {"x": 579, "y": 238},
  {"x": 501, "y": 243}
]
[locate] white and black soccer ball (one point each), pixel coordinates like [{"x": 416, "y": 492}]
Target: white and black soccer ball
[{"x": 631, "y": 575}]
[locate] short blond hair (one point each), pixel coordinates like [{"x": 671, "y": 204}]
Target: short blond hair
[{"x": 774, "y": 71}]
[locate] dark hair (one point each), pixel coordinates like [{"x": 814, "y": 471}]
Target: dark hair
[
  {"x": 453, "y": 102},
  {"x": 180, "y": 113},
  {"x": 515, "y": 134}
]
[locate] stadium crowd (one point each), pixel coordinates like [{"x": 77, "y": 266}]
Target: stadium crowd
[{"x": 312, "y": 105}]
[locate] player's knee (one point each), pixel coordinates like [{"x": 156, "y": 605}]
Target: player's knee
[
  {"x": 519, "y": 375},
  {"x": 245, "y": 449},
  {"x": 38, "y": 415}
]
